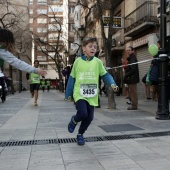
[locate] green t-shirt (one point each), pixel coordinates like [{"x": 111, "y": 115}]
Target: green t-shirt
[
  {"x": 43, "y": 83},
  {"x": 48, "y": 83},
  {"x": 86, "y": 74},
  {"x": 35, "y": 78}
]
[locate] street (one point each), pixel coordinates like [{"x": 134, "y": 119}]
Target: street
[{"x": 36, "y": 138}]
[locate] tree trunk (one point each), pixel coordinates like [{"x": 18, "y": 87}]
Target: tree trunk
[{"x": 111, "y": 99}]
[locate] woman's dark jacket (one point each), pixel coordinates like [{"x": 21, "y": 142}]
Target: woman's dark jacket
[
  {"x": 154, "y": 74},
  {"x": 132, "y": 71}
]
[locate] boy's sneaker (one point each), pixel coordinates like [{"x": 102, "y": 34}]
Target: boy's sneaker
[
  {"x": 72, "y": 125},
  {"x": 80, "y": 139}
]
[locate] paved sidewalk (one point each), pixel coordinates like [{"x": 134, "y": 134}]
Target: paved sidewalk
[{"x": 36, "y": 138}]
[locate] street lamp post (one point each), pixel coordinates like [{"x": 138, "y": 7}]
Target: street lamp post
[{"x": 163, "y": 104}]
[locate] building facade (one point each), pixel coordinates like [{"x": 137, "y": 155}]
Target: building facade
[
  {"x": 48, "y": 27},
  {"x": 139, "y": 28}
]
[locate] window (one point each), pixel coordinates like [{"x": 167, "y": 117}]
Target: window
[
  {"x": 41, "y": 11},
  {"x": 42, "y": 20},
  {"x": 44, "y": 66},
  {"x": 54, "y": 27},
  {"x": 41, "y": 48},
  {"x": 41, "y": 58},
  {"x": 31, "y": 20},
  {"x": 41, "y": 29},
  {"x": 71, "y": 27},
  {"x": 43, "y": 39},
  {"x": 31, "y": 1},
  {"x": 72, "y": 9},
  {"x": 56, "y": 19},
  {"x": 42, "y": 1},
  {"x": 51, "y": 55},
  {"x": 31, "y": 11},
  {"x": 52, "y": 36},
  {"x": 58, "y": 8}
]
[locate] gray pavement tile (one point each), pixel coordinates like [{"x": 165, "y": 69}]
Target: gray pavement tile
[
  {"x": 26, "y": 134},
  {"x": 48, "y": 147},
  {"x": 155, "y": 164},
  {"x": 84, "y": 165},
  {"x": 45, "y": 133},
  {"x": 155, "y": 142},
  {"x": 120, "y": 164},
  {"x": 39, "y": 158},
  {"x": 19, "y": 161},
  {"x": 101, "y": 149},
  {"x": 47, "y": 167},
  {"x": 6, "y": 134},
  {"x": 55, "y": 125},
  {"x": 15, "y": 151}
]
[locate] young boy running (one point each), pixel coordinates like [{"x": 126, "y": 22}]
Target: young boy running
[{"x": 83, "y": 85}]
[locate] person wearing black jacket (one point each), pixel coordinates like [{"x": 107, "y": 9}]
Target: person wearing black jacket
[{"x": 132, "y": 78}]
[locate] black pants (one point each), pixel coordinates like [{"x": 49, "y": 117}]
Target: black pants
[{"x": 85, "y": 115}]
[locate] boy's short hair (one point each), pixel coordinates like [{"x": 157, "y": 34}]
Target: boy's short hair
[
  {"x": 88, "y": 40},
  {"x": 6, "y": 36}
]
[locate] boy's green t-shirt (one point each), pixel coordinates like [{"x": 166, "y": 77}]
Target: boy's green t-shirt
[{"x": 86, "y": 74}]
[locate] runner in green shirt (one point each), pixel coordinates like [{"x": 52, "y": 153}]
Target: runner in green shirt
[
  {"x": 34, "y": 80},
  {"x": 48, "y": 84},
  {"x": 83, "y": 86},
  {"x": 43, "y": 83}
]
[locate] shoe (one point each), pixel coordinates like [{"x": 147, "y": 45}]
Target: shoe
[
  {"x": 72, "y": 125},
  {"x": 80, "y": 139},
  {"x": 129, "y": 102},
  {"x": 35, "y": 104},
  {"x": 32, "y": 95},
  {"x": 131, "y": 108}
]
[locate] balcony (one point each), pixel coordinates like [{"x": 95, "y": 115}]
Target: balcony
[{"x": 141, "y": 19}]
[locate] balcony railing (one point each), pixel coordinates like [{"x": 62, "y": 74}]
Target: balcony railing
[{"x": 144, "y": 13}]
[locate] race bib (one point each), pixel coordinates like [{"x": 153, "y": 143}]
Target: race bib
[
  {"x": 88, "y": 90},
  {"x": 35, "y": 79}
]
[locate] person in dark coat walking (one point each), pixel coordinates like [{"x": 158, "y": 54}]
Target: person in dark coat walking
[{"x": 132, "y": 78}]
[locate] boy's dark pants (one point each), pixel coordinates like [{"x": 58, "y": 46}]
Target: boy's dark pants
[{"x": 85, "y": 114}]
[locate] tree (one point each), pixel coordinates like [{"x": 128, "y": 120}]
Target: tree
[
  {"x": 101, "y": 7},
  {"x": 51, "y": 43},
  {"x": 13, "y": 16}
]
